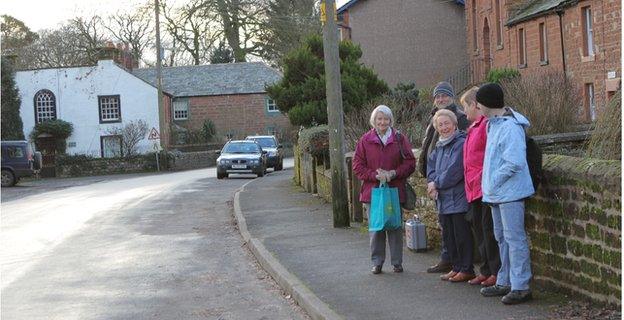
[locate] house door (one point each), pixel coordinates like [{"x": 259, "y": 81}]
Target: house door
[
  {"x": 47, "y": 147},
  {"x": 487, "y": 58}
]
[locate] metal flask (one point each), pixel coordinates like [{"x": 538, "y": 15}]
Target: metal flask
[{"x": 415, "y": 235}]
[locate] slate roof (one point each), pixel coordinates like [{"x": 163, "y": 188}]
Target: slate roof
[
  {"x": 213, "y": 79},
  {"x": 350, "y": 3},
  {"x": 536, "y": 8}
]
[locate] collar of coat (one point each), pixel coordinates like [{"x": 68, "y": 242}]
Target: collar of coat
[{"x": 371, "y": 136}]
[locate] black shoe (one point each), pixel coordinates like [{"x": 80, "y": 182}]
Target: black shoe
[
  {"x": 441, "y": 267},
  {"x": 517, "y": 296},
  {"x": 376, "y": 270},
  {"x": 398, "y": 268},
  {"x": 495, "y": 291}
]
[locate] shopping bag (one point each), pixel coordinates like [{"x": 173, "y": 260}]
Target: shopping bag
[{"x": 385, "y": 209}]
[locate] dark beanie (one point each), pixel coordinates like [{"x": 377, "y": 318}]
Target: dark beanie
[
  {"x": 444, "y": 87},
  {"x": 491, "y": 96}
]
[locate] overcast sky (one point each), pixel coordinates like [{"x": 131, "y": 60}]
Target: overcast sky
[{"x": 42, "y": 14}]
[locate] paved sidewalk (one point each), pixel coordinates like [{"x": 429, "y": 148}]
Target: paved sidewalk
[{"x": 334, "y": 264}]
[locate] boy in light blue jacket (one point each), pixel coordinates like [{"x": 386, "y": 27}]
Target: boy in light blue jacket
[{"x": 506, "y": 183}]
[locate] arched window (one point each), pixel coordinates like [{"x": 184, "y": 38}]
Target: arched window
[{"x": 45, "y": 106}]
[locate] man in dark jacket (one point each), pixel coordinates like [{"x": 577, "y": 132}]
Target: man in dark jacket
[{"x": 443, "y": 98}]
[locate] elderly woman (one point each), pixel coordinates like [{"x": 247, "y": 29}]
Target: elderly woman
[
  {"x": 445, "y": 177},
  {"x": 383, "y": 155}
]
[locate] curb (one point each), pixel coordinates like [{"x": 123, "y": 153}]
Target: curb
[{"x": 316, "y": 308}]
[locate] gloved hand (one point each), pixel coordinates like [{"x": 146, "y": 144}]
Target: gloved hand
[{"x": 381, "y": 177}]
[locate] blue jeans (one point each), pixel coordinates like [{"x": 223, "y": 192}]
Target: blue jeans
[{"x": 512, "y": 241}]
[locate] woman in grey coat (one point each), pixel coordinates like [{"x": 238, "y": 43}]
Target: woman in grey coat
[{"x": 445, "y": 178}]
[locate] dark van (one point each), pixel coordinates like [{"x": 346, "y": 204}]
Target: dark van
[{"x": 18, "y": 161}]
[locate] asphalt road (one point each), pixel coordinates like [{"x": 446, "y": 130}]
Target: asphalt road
[{"x": 148, "y": 247}]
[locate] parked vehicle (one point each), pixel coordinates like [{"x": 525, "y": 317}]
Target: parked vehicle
[
  {"x": 241, "y": 156},
  {"x": 275, "y": 153},
  {"x": 18, "y": 161}
]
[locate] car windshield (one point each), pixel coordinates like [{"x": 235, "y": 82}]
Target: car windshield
[
  {"x": 265, "y": 142},
  {"x": 241, "y": 148}
]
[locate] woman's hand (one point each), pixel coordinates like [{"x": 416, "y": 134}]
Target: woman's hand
[{"x": 432, "y": 191}]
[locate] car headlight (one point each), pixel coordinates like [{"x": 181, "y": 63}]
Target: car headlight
[
  {"x": 254, "y": 161},
  {"x": 272, "y": 153},
  {"x": 224, "y": 161}
]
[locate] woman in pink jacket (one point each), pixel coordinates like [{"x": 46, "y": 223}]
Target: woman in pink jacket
[
  {"x": 378, "y": 158},
  {"x": 474, "y": 152}
]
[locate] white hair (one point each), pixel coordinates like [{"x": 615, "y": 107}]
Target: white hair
[{"x": 383, "y": 109}]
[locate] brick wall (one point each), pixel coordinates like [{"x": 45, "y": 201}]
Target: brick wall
[
  {"x": 582, "y": 70},
  {"x": 239, "y": 115},
  {"x": 573, "y": 223}
]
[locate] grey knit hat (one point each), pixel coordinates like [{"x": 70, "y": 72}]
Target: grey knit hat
[{"x": 444, "y": 87}]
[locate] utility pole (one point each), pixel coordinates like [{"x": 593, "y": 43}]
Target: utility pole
[
  {"x": 335, "y": 116},
  {"x": 161, "y": 106}
]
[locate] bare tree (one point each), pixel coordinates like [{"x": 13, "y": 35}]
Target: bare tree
[
  {"x": 192, "y": 28},
  {"x": 135, "y": 28},
  {"x": 131, "y": 134}
]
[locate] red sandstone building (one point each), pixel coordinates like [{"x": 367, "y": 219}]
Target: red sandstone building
[
  {"x": 579, "y": 38},
  {"x": 231, "y": 95}
]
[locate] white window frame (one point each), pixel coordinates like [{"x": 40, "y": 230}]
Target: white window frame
[
  {"x": 109, "y": 112},
  {"x": 591, "y": 100},
  {"x": 45, "y": 106},
  {"x": 589, "y": 31},
  {"x": 522, "y": 52},
  {"x": 271, "y": 106},
  {"x": 180, "y": 109}
]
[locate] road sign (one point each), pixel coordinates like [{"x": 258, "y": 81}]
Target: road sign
[
  {"x": 157, "y": 147},
  {"x": 154, "y": 135}
]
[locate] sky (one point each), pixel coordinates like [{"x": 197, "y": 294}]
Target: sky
[{"x": 42, "y": 14}]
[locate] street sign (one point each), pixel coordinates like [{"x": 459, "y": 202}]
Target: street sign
[
  {"x": 157, "y": 147},
  {"x": 154, "y": 135},
  {"x": 324, "y": 13}
]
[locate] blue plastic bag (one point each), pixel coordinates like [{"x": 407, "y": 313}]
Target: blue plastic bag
[{"x": 385, "y": 209}]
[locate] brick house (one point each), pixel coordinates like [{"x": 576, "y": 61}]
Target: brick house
[
  {"x": 580, "y": 38},
  {"x": 231, "y": 95},
  {"x": 407, "y": 41}
]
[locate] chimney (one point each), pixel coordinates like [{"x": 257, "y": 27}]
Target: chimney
[{"x": 108, "y": 52}]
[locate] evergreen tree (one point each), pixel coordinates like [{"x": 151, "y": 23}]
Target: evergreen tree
[
  {"x": 301, "y": 92},
  {"x": 221, "y": 54},
  {"x": 12, "y": 127}
]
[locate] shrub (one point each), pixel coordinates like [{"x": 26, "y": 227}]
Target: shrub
[
  {"x": 58, "y": 129},
  {"x": 606, "y": 139},
  {"x": 131, "y": 134},
  {"x": 208, "y": 130},
  {"x": 497, "y": 75},
  {"x": 548, "y": 100},
  {"x": 315, "y": 140}
]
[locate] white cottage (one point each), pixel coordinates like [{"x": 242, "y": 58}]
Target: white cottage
[{"x": 94, "y": 99}]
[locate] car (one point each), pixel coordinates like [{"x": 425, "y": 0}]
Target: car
[
  {"x": 241, "y": 156},
  {"x": 18, "y": 161},
  {"x": 275, "y": 153}
]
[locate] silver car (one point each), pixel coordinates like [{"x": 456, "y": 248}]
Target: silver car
[
  {"x": 275, "y": 154},
  {"x": 241, "y": 156}
]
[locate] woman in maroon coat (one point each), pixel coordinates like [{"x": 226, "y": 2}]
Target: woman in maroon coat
[{"x": 378, "y": 159}]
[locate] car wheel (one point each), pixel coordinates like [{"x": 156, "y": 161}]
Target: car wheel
[
  {"x": 221, "y": 175},
  {"x": 261, "y": 172},
  {"x": 8, "y": 178},
  {"x": 279, "y": 166}
]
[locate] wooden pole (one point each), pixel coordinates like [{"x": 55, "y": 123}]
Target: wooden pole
[{"x": 340, "y": 204}]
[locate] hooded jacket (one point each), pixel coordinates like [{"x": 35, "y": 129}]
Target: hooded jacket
[
  {"x": 506, "y": 176},
  {"x": 446, "y": 169},
  {"x": 371, "y": 154},
  {"x": 474, "y": 152}
]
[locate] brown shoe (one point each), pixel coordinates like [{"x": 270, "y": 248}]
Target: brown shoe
[
  {"x": 477, "y": 280},
  {"x": 441, "y": 267},
  {"x": 447, "y": 276},
  {"x": 462, "y": 277},
  {"x": 489, "y": 281}
]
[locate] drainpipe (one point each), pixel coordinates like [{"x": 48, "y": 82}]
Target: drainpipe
[{"x": 563, "y": 60}]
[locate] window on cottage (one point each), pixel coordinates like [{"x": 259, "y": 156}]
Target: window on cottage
[
  {"x": 110, "y": 108},
  {"x": 543, "y": 42},
  {"x": 521, "y": 48},
  {"x": 110, "y": 146},
  {"x": 590, "y": 104},
  {"x": 271, "y": 106},
  {"x": 45, "y": 106},
  {"x": 588, "y": 32},
  {"x": 180, "y": 110},
  {"x": 474, "y": 24},
  {"x": 499, "y": 24}
]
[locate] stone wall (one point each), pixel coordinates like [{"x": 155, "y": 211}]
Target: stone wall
[
  {"x": 193, "y": 160},
  {"x": 573, "y": 223},
  {"x": 104, "y": 166}
]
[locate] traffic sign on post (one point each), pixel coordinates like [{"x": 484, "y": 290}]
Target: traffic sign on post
[{"x": 154, "y": 135}]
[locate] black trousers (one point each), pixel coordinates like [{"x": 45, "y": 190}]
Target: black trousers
[
  {"x": 458, "y": 239},
  {"x": 483, "y": 228}
]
